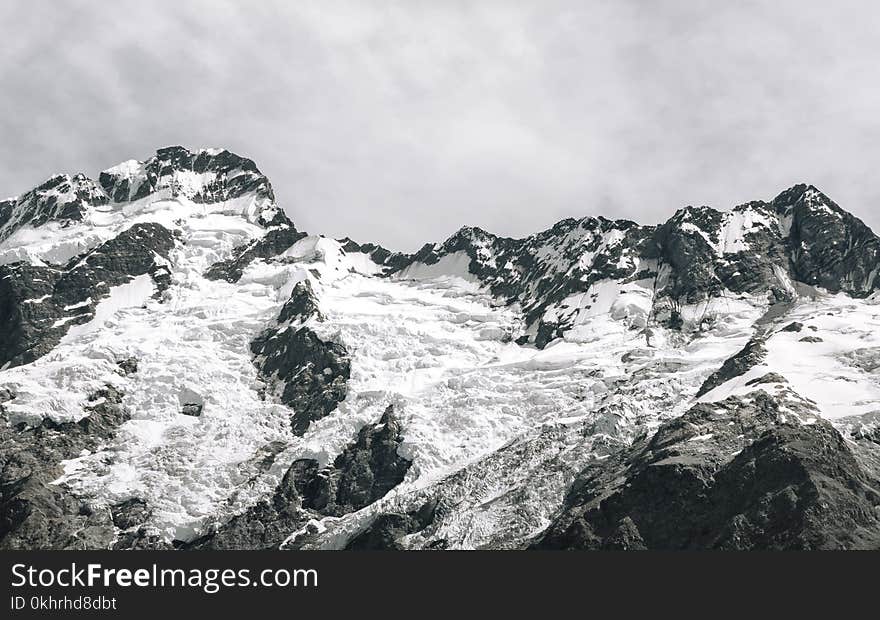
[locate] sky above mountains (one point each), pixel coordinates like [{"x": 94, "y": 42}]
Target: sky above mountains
[{"x": 400, "y": 122}]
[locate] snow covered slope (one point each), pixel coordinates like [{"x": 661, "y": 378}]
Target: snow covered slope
[
  {"x": 66, "y": 216},
  {"x": 184, "y": 368}
]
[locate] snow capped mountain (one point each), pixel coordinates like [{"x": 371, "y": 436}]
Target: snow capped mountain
[{"x": 183, "y": 368}]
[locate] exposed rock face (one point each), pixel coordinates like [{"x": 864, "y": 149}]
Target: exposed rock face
[
  {"x": 191, "y": 402},
  {"x": 738, "y": 474},
  {"x": 379, "y": 255},
  {"x": 307, "y": 373},
  {"x": 547, "y": 267},
  {"x": 708, "y": 251},
  {"x": 750, "y": 356},
  {"x": 801, "y": 236},
  {"x": 128, "y": 366},
  {"x": 770, "y": 377},
  {"x": 206, "y": 176},
  {"x": 686, "y": 244},
  {"x": 62, "y": 199},
  {"x": 301, "y": 306},
  {"x": 27, "y": 327},
  {"x": 265, "y": 525},
  {"x": 130, "y": 518},
  {"x": 386, "y": 530},
  {"x": 38, "y": 305},
  {"x": 34, "y": 513},
  {"x": 365, "y": 471},
  {"x": 698, "y": 254},
  {"x": 829, "y": 247},
  {"x": 812, "y": 339},
  {"x": 272, "y": 244},
  {"x": 867, "y": 429},
  {"x": 192, "y": 409},
  {"x": 130, "y": 513}
]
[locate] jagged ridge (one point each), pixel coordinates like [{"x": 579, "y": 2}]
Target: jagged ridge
[{"x": 212, "y": 224}]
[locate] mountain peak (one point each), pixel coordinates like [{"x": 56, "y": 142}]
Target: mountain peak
[
  {"x": 66, "y": 215},
  {"x": 60, "y": 198},
  {"x": 204, "y": 176}
]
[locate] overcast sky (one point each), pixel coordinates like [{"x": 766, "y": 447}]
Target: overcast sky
[{"x": 399, "y": 122}]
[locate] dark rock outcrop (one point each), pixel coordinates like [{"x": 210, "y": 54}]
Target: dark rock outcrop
[
  {"x": 682, "y": 244},
  {"x": 770, "y": 377},
  {"x": 812, "y": 339},
  {"x": 866, "y": 358},
  {"x": 363, "y": 473},
  {"x": 228, "y": 176},
  {"x": 747, "y": 358},
  {"x": 129, "y": 513},
  {"x": 38, "y": 305},
  {"x": 386, "y": 530},
  {"x": 829, "y": 247},
  {"x": 547, "y": 267},
  {"x": 301, "y": 305},
  {"x": 61, "y": 199},
  {"x": 128, "y": 366},
  {"x": 309, "y": 375},
  {"x": 738, "y": 474},
  {"x": 36, "y": 514},
  {"x": 699, "y": 265},
  {"x": 800, "y": 236},
  {"x": 273, "y": 243},
  {"x": 383, "y": 257},
  {"x": 265, "y": 525},
  {"x": 222, "y": 176},
  {"x": 192, "y": 409}
]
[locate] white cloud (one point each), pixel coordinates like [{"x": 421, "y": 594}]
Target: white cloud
[{"x": 401, "y": 121}]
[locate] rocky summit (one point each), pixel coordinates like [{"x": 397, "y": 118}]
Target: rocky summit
[{"x": 182, "y": 368}]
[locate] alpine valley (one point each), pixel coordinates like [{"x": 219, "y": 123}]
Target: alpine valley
[{"x": 182, "y": 368}]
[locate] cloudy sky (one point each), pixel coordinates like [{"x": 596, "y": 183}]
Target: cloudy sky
[{"x": 399, "y": 122}]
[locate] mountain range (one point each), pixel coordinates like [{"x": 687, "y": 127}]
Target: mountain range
[{"x": 183, "y": 368}]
